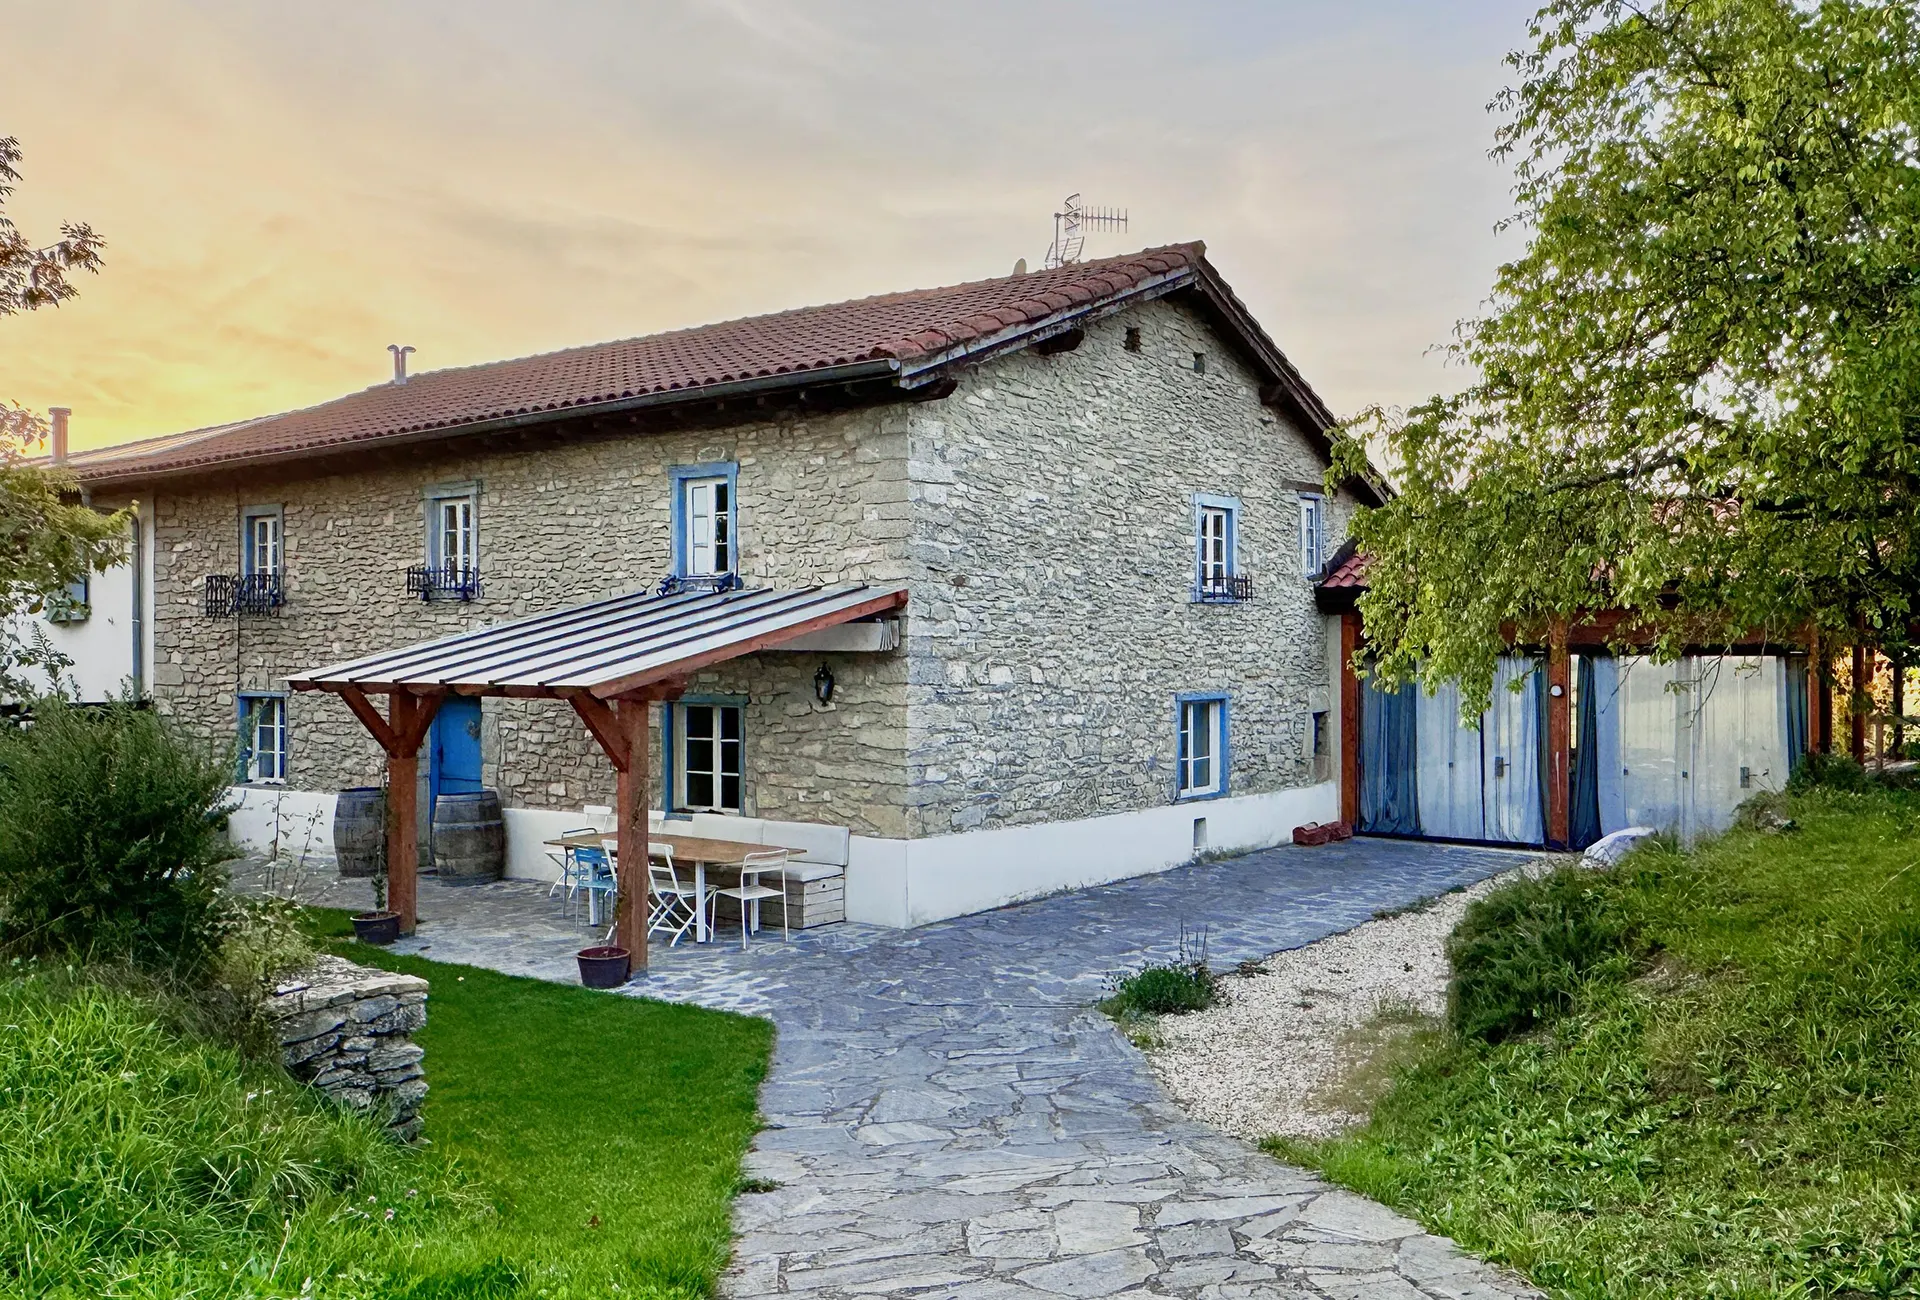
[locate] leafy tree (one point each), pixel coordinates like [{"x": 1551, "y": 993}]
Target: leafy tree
[
  {"x": 1697, "y": 390},
  {"x": 48, "y": 541}
]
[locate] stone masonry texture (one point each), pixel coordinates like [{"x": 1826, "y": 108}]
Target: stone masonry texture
[
  {"x": 1053, "y": 557},
  {"x": 1042, "y": 516},
  {"x": 348, "y": 1031}
]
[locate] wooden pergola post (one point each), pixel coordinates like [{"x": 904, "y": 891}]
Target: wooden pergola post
[
  {"x": 1559, "y": 739},
  {"x": 400, "y": 734},
  {"x": 621, "y": 729}
]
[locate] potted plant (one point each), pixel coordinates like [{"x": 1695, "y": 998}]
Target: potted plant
[
  {"x": 606, "y": 967},
  {"x": 378, "y": 926}
]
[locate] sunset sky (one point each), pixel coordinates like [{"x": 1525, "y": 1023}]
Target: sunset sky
[{"x": 287, "y": 189}]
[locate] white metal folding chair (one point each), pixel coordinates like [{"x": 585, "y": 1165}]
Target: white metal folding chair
[
  {"x": 749, "y": 893},
  {"x": 574, "y": 871},
  {"x": 677, "y": 905}
]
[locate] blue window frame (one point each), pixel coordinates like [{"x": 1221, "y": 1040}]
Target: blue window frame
[
  {"x": 261, "y": 529},
  {"x": 1200, "y": 729},
  {"x": 1216, "y": 547},
  {"x": 1313, "y": 534},
  {"x": 263, "y": 736},
  {"x": 453, "y": 527},
  {"x": 706, "y": 531},
  {"x": 704, "y": 755}
]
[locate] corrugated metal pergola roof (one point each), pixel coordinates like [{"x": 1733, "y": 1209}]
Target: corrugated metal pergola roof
[{"x": 608, "y": 647}]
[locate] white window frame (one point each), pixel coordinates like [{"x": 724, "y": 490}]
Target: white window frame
[
  {"x": 264, "y": 717},
  {"x": 1200, "y": 759},
  {"x": 1313, "y": 533},
  {"x": 464, "y": 555},
  {"x": 727, "y": 757},
  {"x": 706, "y": 513}
]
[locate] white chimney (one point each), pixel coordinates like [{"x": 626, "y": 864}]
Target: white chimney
[
  {"x": 60, "y": 415},
  {"x": 399, "y": 362}
]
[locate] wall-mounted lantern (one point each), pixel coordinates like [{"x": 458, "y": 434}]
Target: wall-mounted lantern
[{"x": 823, "y": 685}]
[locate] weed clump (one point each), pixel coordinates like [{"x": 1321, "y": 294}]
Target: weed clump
[{"x": 1187, "y": 983}]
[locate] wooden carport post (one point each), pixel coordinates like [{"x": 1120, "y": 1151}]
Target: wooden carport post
[
  {"x": 400, "y": 734},
  {"x": 621, "y": 729},
  {"x": 1349, "y": 721},
  {"x": 1559, "y": 739}
]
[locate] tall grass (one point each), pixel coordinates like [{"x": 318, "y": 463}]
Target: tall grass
[
  {"x": 1736, "y": 1113},
  {"x": 137, "y": 1163}
]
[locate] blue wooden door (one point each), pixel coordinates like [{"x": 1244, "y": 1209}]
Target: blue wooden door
[{"x": 453, "y": 762}]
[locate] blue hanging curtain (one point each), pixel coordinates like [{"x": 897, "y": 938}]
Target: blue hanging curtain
[
  {"x": 1583, "y": 819},
  {"x": 1389, "y": 756},
  {"x": 1795, "y": 679}
]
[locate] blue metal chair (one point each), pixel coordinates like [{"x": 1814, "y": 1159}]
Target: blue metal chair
[{"x": 599, "y": 883}]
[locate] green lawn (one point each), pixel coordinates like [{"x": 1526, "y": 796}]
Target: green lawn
[
  {"x": 583, "y": 1145},
  {"x": 1735, "y": 1112},
  {"x": 604, "y": 1132}
]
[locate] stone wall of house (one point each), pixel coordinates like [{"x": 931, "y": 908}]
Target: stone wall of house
[
  {"x": 348, "y": 1030},
  {"x": 1053, "y": 561},
  {"x": 821, "y": 499}
]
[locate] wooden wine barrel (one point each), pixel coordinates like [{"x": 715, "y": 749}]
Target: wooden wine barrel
[
  {"x": 469, "y": 838},
  {"x": 360, "y": 830}
]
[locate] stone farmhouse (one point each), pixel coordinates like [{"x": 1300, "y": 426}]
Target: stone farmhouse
[{"x": 1096, "y": 494}]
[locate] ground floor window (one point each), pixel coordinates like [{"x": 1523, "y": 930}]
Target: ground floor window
[
  {"x": 263, "y": 738},
  {"x": 1203, "y": 746},
  {"x": 710, "y": 759}
]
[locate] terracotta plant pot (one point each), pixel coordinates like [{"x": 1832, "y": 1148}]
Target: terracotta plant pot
[
  {"x": 604, "y": 968},
  {"x": 380, "y": 928}
]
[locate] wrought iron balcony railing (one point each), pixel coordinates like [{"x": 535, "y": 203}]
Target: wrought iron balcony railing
[
  {"x": 443, "y": 582},
  {"x": 228, "y": 594},
  {"x": 674, "y": 584},
  {"x": 1233, "y": 588}
]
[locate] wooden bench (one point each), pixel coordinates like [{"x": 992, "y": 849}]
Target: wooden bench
[{"x": 816, "y": 879}]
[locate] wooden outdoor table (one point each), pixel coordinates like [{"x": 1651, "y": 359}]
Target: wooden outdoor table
[{"x": 699, "y": 850}]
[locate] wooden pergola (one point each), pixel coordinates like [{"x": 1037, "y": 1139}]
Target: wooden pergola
[{"x": 611, "y": 660}]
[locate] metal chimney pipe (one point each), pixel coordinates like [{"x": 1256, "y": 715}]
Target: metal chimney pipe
[
  {"x": 60, "y": 415},
  {"x": 399, "y": 361}
]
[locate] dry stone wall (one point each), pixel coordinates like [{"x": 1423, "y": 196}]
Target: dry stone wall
[
  {"x": 1053, "y": 564},
  {"x": 348, "y": 1031},
  {"x": 821, "y": 499}
]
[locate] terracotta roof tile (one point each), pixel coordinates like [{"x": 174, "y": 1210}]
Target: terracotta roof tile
[
  {"x": 912, "y": 329},
  {"x": 1348, "y": 573}
]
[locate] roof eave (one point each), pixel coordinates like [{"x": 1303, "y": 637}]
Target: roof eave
[{"x": 852, "y": 372}]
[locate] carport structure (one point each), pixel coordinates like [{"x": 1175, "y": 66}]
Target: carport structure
[{"x": 610, "y": 660}]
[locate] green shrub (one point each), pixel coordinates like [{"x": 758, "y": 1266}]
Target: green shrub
[
  {"x": 111, "y": 839},
  {"x": 1832, "y": 771},
  {"x": 1521, "y": 953}
]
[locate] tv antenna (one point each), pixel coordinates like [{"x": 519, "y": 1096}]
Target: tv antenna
[{"x": 1071, "y": 224}]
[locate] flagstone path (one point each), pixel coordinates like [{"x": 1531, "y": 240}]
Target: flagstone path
[{"x": 949, "y": 1117}]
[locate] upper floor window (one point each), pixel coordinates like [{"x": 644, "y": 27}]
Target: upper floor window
[
  {"x": 1216, "y": 543},
  {"x": 704, "y": 520},
  {"x": 260, "y": 537},
  {"x": 263, "y": 737},
  {"x": 1313, "y": 534},
  {"x": 1202, "y": 760},
  {"x": 453, "y": 543}
]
